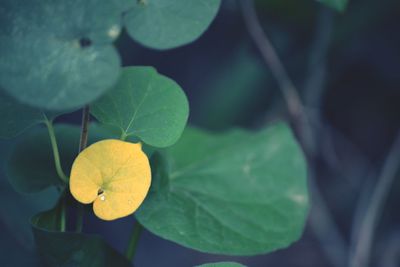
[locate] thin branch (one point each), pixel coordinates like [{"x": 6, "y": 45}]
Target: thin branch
[
  {"x": 82, "y": 145},
  {"x": 302, "y": 126},
  {"x": 84, "y": 128},
  {"x": 286, "y": 86},
  {"x": 361, "y": 247}
]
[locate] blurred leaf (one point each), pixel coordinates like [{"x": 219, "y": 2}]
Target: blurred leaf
[
  {"x": 30, "y": 167},
  {"x": 53, "y": 60},
  {"x": 31, "y": 164},
  {"x": 238, "y": 193},
  {"x": 339, "y": 5},
  {"x": 222, "y": 264},
  {"x": 16, "y": 117},
  {"x": 15, "y": 212},
  {"x": 145, "y": 104},
  {"x": 164, "y": 24},
  {"x": 295, "y": 11},
  {"x": 71, "y": 249},
  {"x": 234, "y": 93}
]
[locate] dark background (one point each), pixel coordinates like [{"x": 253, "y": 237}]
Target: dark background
[{"x": 354, "y": 106}]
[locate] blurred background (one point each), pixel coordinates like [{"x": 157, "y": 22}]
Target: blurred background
[{"x": 346, "y": 70}]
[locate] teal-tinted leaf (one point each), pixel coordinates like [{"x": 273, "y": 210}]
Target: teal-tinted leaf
[
  {"x": 144, "y": 104},
  {"x": 16, "y": 117},
  {"x": 58, "y": 54},
  {"x": 339, "y": 5},
  {"x": 30, "y": 166},
  {"x": 164, "y": 24},
  {"x": 222, "y": 264},
  {"x": 71, "y": 249},
  {"x": 238, "y": 193}
]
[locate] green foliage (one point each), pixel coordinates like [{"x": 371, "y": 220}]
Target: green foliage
[
  {"x": 222, "y": 264},
  {"x": 51, "y": 61},
  {"x": 31, "y": 164},
  {"x": 339, "y": 5},
  {"x": 71, "y": 249},
  {"x": 238, "y": 193},
  {"x": 164, "y": 24},
  {"x": 144, "y": 104},
  {"x": 16, "y": 117}
]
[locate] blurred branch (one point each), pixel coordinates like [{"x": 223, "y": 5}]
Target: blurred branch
[
  {"x": 82, "y": 145},
  {"x": 316, "y": 73},
  {"x": 390, "y": 256},
  {"x": 320, "y": 219},
  {"x": 361, "y": 247}
]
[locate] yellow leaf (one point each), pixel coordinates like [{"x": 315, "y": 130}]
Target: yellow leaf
[{"x": 114, "y": 175}]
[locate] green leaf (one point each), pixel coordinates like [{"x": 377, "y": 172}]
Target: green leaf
[
  {"x": 239, "y": 193},
  {"x": 165, "y": 24},
  {"x": 58, "y": 54},
  {"x": 31, "y": 166},
  {"x": 144, "y": 104},
  {"x": 222, "y": 264},
  {"x": 339, "y": 5},
  {"x": 16, "y": 117},
  {"x": 71, "y": 249}
]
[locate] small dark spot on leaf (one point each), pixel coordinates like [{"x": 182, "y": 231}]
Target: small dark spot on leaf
[
  {"x": 85, "y": 42},
  {"x": 100, "y": 192}
]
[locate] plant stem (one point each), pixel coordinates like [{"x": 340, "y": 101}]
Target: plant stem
[
  {"x": 56, "y": 154},
  {"x": 302, "y": 127},
  {"x": 133, "y": 241},
  {"x": 82, "y": 145},
  {"x": 123, "y": 136},
  {"x": 84, "y": 128},
  {"x": 361, "y": 247},
  {"x": 59, "y": 169},
  {"x": 63, "y": 215}
]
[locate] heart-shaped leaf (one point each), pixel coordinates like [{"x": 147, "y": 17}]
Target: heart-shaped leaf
[
  {"x": 238, "y": 193},
  {"x": 144, "y": 104},
  {"x": 113, "y": 175},
  {"x": 58, "y": 54},
  {"x": 71, "y": 249},
  {"x": 164, "y": 24}
]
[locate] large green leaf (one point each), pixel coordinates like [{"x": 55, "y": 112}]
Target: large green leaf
[
  {"x": 164, "y": 24},
  {"x": 30, "y": 166},
  {"x": 58, "y": 54},
  {"x": 238, "y": 193},
  {"x": 339, "y": 5},
  {"x": 71, "y": 249},
  {"x": 16, "y": 117},
  {"x": 144, "y": 104},
  {"x": 222, "y": 264}
]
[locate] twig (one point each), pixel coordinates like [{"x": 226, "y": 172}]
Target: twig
[
  {"x": 302, "y": 126},
  {"x": 361, "y": 247},
  {"x": 288, "y": 90},
  {"x": 84, "y": 128},
  {"x": 82, "y": 145}
]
